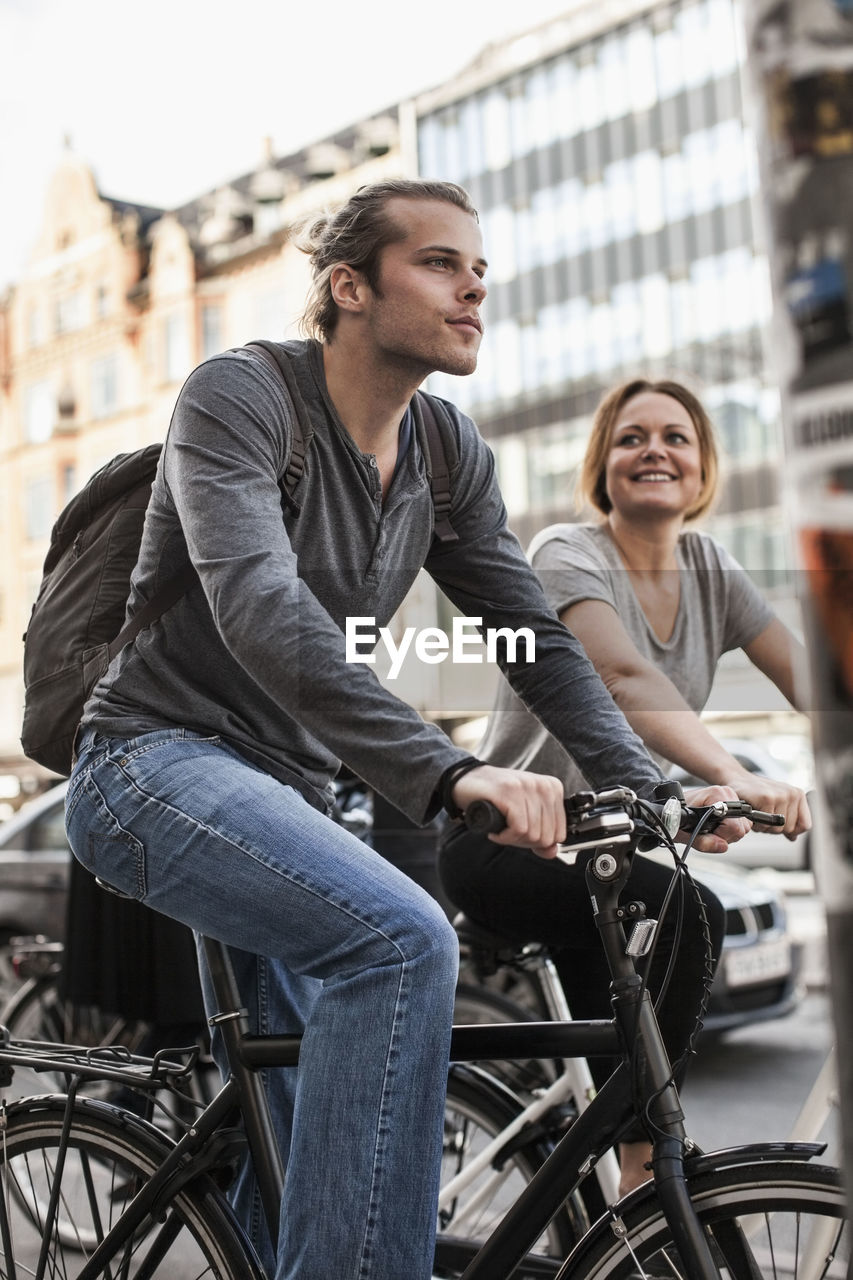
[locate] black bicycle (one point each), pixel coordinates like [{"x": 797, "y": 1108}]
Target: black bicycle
[{"x": 92, "y": 1191}]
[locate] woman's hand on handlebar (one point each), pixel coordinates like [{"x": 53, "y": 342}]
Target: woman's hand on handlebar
[
  {"x": 531, "y": 803},
  {"x": 729, "y": 831},
  {"x": 775, "y": 797}
]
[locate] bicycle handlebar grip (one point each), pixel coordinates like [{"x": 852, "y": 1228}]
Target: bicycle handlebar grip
[
  {"x": 767, "y": 819},
  {"x": 483, "y": 816}
]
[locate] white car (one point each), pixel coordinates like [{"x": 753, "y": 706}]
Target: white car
[{"x": 34, "y": 862}]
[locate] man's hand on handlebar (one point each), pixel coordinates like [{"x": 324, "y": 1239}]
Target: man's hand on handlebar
[
  {"x": 729, "y": 831},
  {"x": 532, "y": 804}
]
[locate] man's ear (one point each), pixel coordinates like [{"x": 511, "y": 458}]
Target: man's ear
[{"x": 349, "y": 288}]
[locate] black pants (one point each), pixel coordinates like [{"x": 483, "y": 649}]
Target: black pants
[{"x": 530, "y": 899}]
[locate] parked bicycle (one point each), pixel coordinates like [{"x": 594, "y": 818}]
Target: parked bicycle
[{"x": 139, "y": 1205}]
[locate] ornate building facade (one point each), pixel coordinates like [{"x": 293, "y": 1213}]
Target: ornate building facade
[{"x": 117, "y": 304}]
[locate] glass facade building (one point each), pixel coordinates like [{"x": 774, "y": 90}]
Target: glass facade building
[{"x": 616, "y": 179}]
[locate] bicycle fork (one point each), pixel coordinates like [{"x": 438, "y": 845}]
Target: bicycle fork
[{"x": 606, "y": 874}]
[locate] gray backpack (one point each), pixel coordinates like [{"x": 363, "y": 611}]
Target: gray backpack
[{"x": 75, "y": 629}]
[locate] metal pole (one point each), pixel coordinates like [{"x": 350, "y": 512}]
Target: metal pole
[{"x": 800, "y": 73}]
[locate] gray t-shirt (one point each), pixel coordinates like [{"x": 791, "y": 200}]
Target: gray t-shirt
[
  {"x": 255, "y": 652},
  {"x": 719, "y": 609}
]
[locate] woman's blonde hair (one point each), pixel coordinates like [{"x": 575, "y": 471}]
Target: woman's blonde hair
[
  {"x": 356, "y": 235},
  {"x": 592, "y": 483}
]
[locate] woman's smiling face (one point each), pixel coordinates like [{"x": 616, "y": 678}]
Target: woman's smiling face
[{"x": 654, "y": 463}]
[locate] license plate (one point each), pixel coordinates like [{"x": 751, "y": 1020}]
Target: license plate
[{"x": 765, "y": 961}]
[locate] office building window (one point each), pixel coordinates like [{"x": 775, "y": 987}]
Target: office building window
[
  {"x": 497, "y": 152},
  {"x": 640, "y": 78},
  {"x": 669, "y": 69},
  {"x": 648, "y": 191},
  {"x": 451, "y": 149},
  {"x": 570, "y": 196},
  {"x": 545, "y": 125},
  {"x": 470, "y": 138},
  {"x": 613, "y": 78},
  {"x": 499, "y": 239},
  {"x": 429, "y": 152},
  {"x": 554, "y": 455},
  {"x": 747, "y": 418},
  {"x": 511, "y": 458},
  {"x": 657, "y": 320},
  {"x": 723, "y": 38}
]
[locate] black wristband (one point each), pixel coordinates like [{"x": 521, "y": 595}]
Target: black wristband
[{"x": 448, "y": 781}]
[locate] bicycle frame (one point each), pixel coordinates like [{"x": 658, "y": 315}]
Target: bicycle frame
[
  {"x": 574, "y": 1082},
  {"x": 598, "y": 1128}
]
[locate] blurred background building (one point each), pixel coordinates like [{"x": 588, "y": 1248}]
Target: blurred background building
[
  {"x": 116, "y": 305},
  {"x": 615, "y": 176},
  {"x": 616, "y": 180}
]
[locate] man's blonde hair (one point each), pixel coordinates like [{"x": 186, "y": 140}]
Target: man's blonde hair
[{"x": 356, "y": 235}]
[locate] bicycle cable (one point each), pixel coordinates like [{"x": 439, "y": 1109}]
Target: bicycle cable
[{"x": 680, "y": 873}]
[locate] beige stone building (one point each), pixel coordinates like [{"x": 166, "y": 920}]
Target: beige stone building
[{"x": 119, "y": 301}]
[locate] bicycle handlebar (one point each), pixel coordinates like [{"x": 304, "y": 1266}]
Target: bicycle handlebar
[{"x": 614, "y": 816}]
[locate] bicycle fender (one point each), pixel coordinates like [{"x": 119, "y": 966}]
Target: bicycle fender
[
  {"x": 472, "y": 1072},
  {"x": 700, "y": 1162},
  {"x": 754, "y": 1153},
  {"x": 118, "y": 1115}
]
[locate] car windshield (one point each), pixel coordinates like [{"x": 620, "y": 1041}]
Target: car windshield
[{"x": 47, "y": 831}]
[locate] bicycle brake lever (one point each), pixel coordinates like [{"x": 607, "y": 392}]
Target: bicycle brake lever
[{"x": 691, "y": 815}]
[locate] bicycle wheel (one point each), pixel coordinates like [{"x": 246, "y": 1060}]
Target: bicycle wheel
[
  {"x": 37, "y": 1012},
  {"x": 108, "y": 1156},
  {"x": 477, "y": 1110},
  {"x": 782, "y": 1220}
]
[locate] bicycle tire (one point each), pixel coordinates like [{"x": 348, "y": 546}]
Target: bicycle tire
[
  {"x": 36, "y": 1011},
  {"x": 477, "y": 1110},
  {"x": 762, "y": 1218},
  {"x": 510, "y": 979},
  {"x": 525, "y": 1077},
  {"x": 108, "y": 1157}
]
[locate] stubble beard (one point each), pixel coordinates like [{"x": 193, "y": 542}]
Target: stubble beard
[{"x": 407, "y": 353}]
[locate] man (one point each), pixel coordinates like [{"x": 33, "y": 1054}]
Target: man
[{"x": 208, "y": 747}]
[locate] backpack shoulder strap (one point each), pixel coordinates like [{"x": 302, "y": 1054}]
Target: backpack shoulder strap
[
  {"x": 178, "y": 585},
  {"x": 442, "y": 460},
  {"x": 158, "y": 604},
  {"x": 303, "y": 432}
]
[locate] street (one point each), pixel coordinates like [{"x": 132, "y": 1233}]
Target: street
[{"x": 749, "y": 1085}]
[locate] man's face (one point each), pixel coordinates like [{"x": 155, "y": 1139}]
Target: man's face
[{"x": 426, "y": 313}]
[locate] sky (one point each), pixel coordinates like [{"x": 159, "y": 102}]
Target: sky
[{"x": 169, "y": 98}]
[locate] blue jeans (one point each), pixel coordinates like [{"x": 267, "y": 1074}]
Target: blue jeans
[{"x": 328, "y": 938}]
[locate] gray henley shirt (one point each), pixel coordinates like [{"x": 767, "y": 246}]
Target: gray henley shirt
[
  {"x": 255, "y": 651},
  {"x": 719, "y": 609}
]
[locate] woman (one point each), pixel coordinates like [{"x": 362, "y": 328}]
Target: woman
[{"x": 655, "y": 606}]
